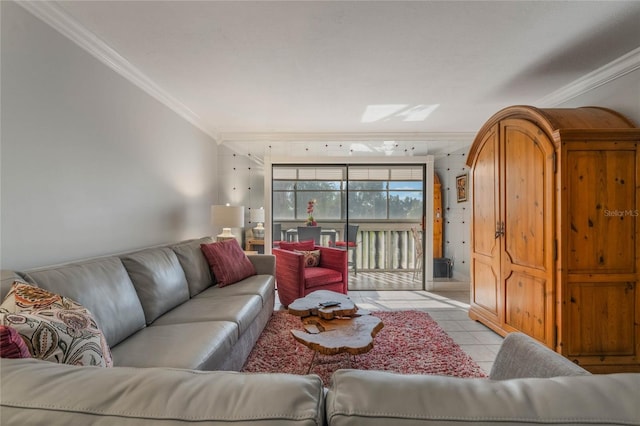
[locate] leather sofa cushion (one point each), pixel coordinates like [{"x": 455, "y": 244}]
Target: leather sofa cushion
[
  {"x": 101, "y": 285},
  {"x": 241, "y": 310},
  {"x": 158, "y": 279},
  {"x": 259, "y": 285},
  {"x": 199, "y": 346},
  {"x": 380, "y": 398},
  {"x": 195, "y": 265},
  {"x": 65, "y": 395}
]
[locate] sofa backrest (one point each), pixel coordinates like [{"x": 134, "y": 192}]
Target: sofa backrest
[
  {"x": 101, "y": 285},
  {"x": 7, "y": 278},
  {"x": 195, "y": 265},
  {"x": 522, "y": 356},
  {"x": 158, "y": 279}
]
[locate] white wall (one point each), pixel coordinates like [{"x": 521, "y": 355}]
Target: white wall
[
  {"x": 241, "y": 181},
  {"x": 90, "y": 164},
  {"x": 456, "y": 216}
]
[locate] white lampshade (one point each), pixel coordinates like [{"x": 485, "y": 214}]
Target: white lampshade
[
  {"x": 257, "y": 215},
  {"x": 227, "y": 217}
]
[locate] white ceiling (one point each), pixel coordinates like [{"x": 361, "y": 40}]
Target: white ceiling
[{"x": 426, "y": 74}]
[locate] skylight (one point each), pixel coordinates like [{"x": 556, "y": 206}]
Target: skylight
[{"x": 403, "y": 112}]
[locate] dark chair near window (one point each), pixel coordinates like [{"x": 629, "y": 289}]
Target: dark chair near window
[
  {"x": 350, "y": 244},
  {"x": 277, "y": 234},
  {"x": 309, "y": 233}
]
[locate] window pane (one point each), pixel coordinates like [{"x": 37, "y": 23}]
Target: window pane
[
  {"x": 283, "y": 185},
  {"x": 327, "y": 205},
  {"x": 409, "y": 185},
  {"x": 405, "y": 205},
  {"x": 367, "y": 205},
  {"x": 283, "y": 207},
  {"x": 364, "y": 185},
  {"x": 318, "y": 185}
]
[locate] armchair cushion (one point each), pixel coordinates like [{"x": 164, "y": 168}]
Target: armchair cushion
[
  {"x": 317, "y": 277},
  {"x": 300, "y": 245}
]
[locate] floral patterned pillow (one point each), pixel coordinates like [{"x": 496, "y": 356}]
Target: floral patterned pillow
[
  {"x": 311, "y": 257},
  {"x": 54, "y": 328}
]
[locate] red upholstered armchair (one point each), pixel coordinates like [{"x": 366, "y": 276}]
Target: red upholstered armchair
[{"x": 294, "y": 280}]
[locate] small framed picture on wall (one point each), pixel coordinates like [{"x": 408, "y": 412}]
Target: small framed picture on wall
[{"x": 461, "y": 187}]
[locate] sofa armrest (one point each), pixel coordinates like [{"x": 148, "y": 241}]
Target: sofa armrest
[
  {"x": 265, "y": 264},
  {"x": 522, "y": 356},
  {"x": 42, "y": 392}
]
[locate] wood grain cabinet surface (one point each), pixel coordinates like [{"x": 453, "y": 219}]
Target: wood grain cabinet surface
[{"x": 555, "y": 231}]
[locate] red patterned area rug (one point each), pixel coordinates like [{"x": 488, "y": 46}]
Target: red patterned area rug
[{"x": 411, "y": 342}]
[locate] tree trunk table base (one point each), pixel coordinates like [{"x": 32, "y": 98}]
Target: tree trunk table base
[{"x": 341, "y": 328}]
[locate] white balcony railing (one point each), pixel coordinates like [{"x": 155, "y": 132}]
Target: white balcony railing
[{"x": 381, "y": 246}]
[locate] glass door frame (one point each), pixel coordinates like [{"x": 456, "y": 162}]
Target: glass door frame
[{"x": 427, "y": 222}]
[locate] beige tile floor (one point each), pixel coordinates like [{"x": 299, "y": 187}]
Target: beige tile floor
[{"x": 448, "y": 305}]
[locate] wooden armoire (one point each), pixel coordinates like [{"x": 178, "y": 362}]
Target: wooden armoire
[{"x": 555, "y": 231}]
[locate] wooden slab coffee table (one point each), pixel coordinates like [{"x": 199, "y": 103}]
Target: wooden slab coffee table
[{"x": 330, "y": 330}]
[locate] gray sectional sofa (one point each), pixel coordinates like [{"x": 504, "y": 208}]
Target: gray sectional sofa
[
  {"x": 168, "y": 324},
  {"x": 160, "y": 307}
]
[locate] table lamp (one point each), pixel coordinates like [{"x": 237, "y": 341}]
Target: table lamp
[
  {"x": 257, "y": 215},
  {"x": 227, "y": 217}
]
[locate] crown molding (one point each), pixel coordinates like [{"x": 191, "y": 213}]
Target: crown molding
[
  {"x": 56, "y": 17},
  {"x": 613, "y": 70},
  {"x": 231, "y": 137}
]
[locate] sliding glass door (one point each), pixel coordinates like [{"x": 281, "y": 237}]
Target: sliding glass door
[{"x": 381, "y": 204}]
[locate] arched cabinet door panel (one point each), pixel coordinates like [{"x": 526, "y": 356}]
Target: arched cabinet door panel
[{"x": 555, "y": 231}]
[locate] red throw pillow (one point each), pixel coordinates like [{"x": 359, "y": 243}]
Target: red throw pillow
[
  {"x": 300, "y": 245},
  {"x": 11, "y": 344},
  {"x": 228, "y": 262}
]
